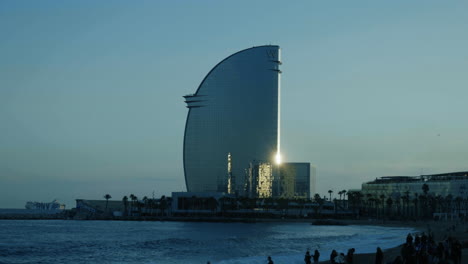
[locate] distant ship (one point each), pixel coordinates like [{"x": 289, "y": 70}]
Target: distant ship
[{"x": 54, "y": 205}]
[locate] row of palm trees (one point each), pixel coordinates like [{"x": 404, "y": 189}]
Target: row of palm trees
[
  {"x": 146, "y": 206},
  {"x": 245, "y": 206},
  {"x": 400, "y": 206},
  {"x": 397, "y": 206},
  {"x": 406, "y": 205},
  {"x": 340, "y": 193}
]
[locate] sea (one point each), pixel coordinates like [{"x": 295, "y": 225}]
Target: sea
[{"x": 71, "y": 241}]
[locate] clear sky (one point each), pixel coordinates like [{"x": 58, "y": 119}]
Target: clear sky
[{"x": 91, "y": 91}]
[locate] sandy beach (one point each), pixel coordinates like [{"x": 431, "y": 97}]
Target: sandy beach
[{"x": 439, "y": 229}]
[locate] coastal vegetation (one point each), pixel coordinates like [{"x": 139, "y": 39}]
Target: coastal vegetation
[{"x": 348, "y": 205}]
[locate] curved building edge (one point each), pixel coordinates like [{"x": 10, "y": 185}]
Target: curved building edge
[{"x": 196, "y": 92}]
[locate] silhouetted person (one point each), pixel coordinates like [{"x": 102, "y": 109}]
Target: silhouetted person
[
  {"x": 424, "y": 239},
  {"x": 350, "y": 256},
  {"x": 409, "y": 239},
  {"x": 308, "y": 258},
  {"x": 333, "y": 255},
  {"x": 408, "y": 252},
  {"x": 316, "y": 256},
  {"x": 417, "y": 243},
  {"x": 269, "y": 260},
  {"x": 379, "y": 256}
]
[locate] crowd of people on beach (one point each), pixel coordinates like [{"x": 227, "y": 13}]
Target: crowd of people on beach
[
  {"x": 418, "y": 249},
  {"x": 341, "y": 257},
  {"x": 424, "y": 250},
  {"x": 308, "y": 258}
]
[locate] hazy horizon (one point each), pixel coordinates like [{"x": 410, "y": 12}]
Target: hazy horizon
[{"x": 91, "y": 93}]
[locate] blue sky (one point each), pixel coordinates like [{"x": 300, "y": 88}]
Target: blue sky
[{"x": 91, "y": 92}]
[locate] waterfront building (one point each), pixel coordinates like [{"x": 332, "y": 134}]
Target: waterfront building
[
  {"x": 54, "y": 205},
  {"x": 259, "y": 180},
  {"x": 295, "y": 180},
  {"x": 197, "y": 202},
  {"x": 313, "y": 180},
  {"x": 454, "y": 184},
  {"x": 99, "y": 206},
  {"x": 233, "y": 119}
]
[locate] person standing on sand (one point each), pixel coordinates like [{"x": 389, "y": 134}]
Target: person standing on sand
[
  {"x": 409, "y": 239},
  {"x": 350, "y": 256},
  {"x": 307, "y": 258},
  {"x": 379, "y": 256},
  {"x": 407, "y": 252},
  {"x": 269, "y": 260},
  {"x": 316, "y": 256},
  {"x": 333, "y": 255}
]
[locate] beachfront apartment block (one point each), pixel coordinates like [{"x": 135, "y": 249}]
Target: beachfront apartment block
[{"x": 453, "y": 184}]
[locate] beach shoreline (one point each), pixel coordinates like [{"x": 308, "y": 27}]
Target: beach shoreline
[{"x": 439, "y": 229}]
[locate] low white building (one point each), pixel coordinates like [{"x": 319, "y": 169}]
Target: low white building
[{"x": 445, "y": 184}]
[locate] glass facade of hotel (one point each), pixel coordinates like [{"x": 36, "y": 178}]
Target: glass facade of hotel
[
  {"x": 233, "y": 119},
  {"x": 295, "y": 180}
]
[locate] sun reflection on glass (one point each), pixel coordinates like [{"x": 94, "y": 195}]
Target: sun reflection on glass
[{"x": 278, "y": 158}]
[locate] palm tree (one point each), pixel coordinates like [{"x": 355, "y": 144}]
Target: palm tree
[
  {"x": 377, "y": 207},
  {"x": 389, "y": 205},
  {"x": 150, "y": 207},
  {"x": 301, "y": 203},
  {"x": 107, "y": 197},
  {"x": 330, "y": 192},
  {"x": 438, "y": 203},
  {"x": 425, "y": 189},
  {"x": 368, "y": 204},
  {"x": 398, "y": 205},
  {"x": 319, "y": 201},
  {"x": 212, "y": 204},
  {"x": 145, "y": 201},
  {"x": 343, "y": 192},
  {"x": 406, "y": 200},
  {"x": 163, "y": 204},
  {"x": 382, "y": 199},
  {"x": 415, "y": 201},
  {"x": 133, "y": 198},
  {"x": 458, "y": 201},
  {"x": 354, "y": 201},
  {"x": 359, "y": 197},
  {"x": 125, "y": 203},
  {"x": 373, "y": 202},
  {"x": 448, "y": 204}
]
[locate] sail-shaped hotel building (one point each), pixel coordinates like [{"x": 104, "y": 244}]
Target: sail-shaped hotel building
[{"x": 233, "y": 122}]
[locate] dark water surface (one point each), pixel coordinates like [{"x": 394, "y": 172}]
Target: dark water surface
[{"x": 62, "y": 241}]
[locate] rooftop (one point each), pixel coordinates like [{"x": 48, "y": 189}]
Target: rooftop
[{"x": 461, "y": 175}]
